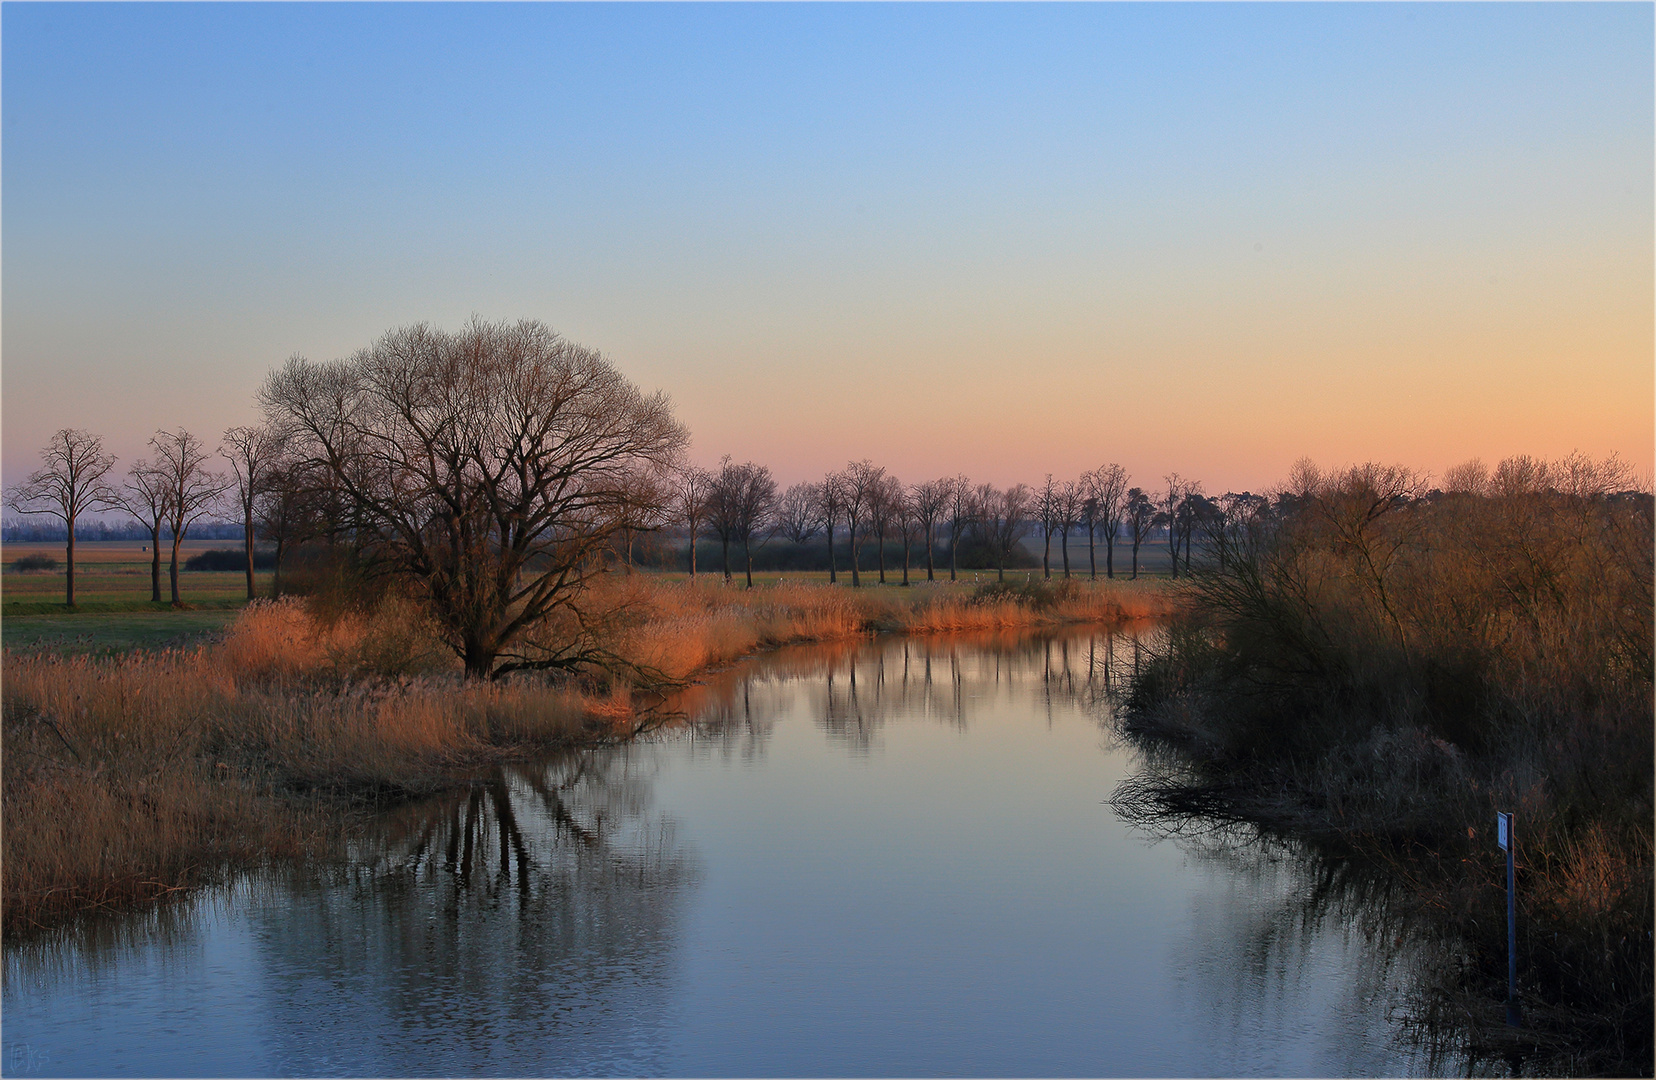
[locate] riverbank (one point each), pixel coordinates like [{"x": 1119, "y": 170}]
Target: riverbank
[
  {"x": 1382, "y": 682},
  {"x": 131, "y": 776}
]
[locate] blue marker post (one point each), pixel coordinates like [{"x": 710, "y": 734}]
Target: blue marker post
[{"x": 1506, "y": 837}]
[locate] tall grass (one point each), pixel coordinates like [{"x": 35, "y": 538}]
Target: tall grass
[{"x": 1390, "y": 671}]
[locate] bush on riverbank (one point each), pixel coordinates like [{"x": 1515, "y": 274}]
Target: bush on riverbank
[{"x": 1389, "y": 672}]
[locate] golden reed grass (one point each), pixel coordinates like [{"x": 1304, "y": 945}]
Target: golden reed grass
[{"x": 127, "y": 777}]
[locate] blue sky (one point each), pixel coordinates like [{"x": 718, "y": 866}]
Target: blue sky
[{"x": 1004, "y": 239}]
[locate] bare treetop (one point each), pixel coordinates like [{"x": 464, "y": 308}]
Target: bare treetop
[{"x": 69, "y": 482}]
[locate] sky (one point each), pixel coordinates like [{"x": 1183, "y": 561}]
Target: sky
[{"x": 1003, "y": 240}]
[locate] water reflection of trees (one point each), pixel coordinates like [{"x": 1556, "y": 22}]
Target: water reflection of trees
[
  {"x": 525, "y": 925},
  {"x": 854, "y": 689},
  {"x": 1290, "y": 899}
]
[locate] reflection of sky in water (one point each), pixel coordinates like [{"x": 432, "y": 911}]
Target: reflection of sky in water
[{"x": 896, "y": 859}]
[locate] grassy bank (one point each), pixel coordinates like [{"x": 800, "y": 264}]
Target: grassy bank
[
  {"x": 130, "y": 775},
  {"x": 1383, "y": 675}
]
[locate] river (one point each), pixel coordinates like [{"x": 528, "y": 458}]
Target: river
[{"x": 893, "y": 858}]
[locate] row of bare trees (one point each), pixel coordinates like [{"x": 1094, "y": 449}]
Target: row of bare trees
[
  {"x": 167, "y": 492},
  {"x": 739, "y": 504}
]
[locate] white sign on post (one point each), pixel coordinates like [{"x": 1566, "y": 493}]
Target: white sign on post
[{"x": 1501, "y": 830}]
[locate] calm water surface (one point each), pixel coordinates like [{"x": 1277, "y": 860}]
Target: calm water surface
[{"x": 888, "y": 859}]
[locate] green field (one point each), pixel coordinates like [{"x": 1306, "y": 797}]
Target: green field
[
  {"x": 113, "y": 611},
  {"x": 114, "y": 575}
]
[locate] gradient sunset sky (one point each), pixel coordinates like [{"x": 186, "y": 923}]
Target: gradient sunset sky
[{"x": 1004, "y": 240}]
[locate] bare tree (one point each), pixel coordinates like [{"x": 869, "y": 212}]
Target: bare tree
[
  {"x": 724, "y": 508},
  {"x": 961, "y": 505},
  {"x": 485, "y": 468},
  {"x": 797, "y": 514},
  {"x": 1167, "y": 514},
  {"x": 1140, "y": 514},
  {"x": 1068, "y": 505},
  {"x": 252, "y": 453},
  {"x": 906, "y": 520},
  {"x": 861, "y": 488},
  {"x": 648, "y": 505},
  {"x": 739, "y": 507},
  {"x": 887, "y": 505},
  {"x": 192, "y": 491},
  {"x": 1003, "y": 517},
  {"x": 930, "y": 502},
  {"x": 1107, "y": 490},
  {"x": 144, "y": 496},
  {"x": 692, "y": 487},
  {"x": 831, "y": 505},
  {"x": 286, "y": 511},
  {"x": 758, "y": 508},
  {"x": 69, "y": 483},
  {"x": 1046, "y": 513}
]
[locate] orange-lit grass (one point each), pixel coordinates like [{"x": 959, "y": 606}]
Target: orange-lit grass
[{"x": 124, "y": 778}]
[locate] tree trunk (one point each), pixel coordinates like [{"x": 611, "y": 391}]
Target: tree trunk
[
  {"x": 1135, "y": 559},
  {"x": 69, "y": 562},
  {"x": 879, "y": 538},
  {"x": 930, "y": 576},
  {"x": 1046, "y": 555},
  {"x": 1092, "y": 553},
  {"x": 747, "y": 550},
  {"x": 954, "y": 543},
  {"x": 1109, "y": 555},
  {"x": 172, "y": 567},
  {"x": 905, "y": 562},
  {"x": 724, "y": 544},
  {"x": 856, "y": 580},
  {"x": 247, "y": 525},
  {"x": 1063, "y": 547},
  {"x": 693, "y": 532},
  {"x": 155, "y": 564},
  {"x": 479, "y": 660},
  {"x": 833, "y": 574}
]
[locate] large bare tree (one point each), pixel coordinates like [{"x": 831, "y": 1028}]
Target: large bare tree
[
  {"x": 487, "y": 468},
  {"x": 69, "y": 483},
  {"x": 252, "y": 453},
  {"x": 193, "y": 491}
]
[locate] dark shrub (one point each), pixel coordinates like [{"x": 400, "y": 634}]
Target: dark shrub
[
  {"x": 230, "y": 559},
  {"x": 29, "y": 563}
]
